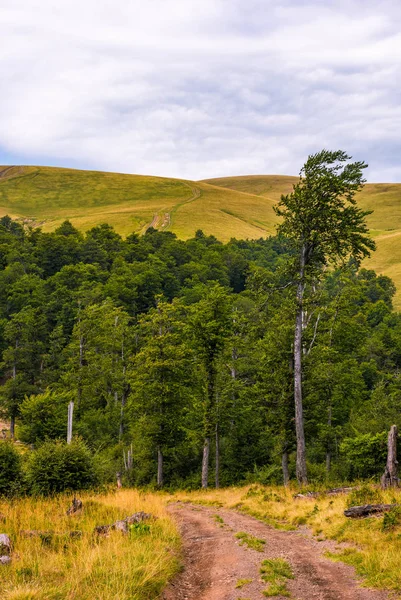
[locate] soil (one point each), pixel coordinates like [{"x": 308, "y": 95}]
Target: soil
[{"x": 214, "y": 560}]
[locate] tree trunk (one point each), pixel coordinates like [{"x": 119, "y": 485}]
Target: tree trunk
[
  {"x": 299, "y": 419},
  {"x": 284, "y": 465},
  {"x": 122, "y": 410},
  {"x": 328, "y": 462},
  {"x": 328, "y": 450},
  {"x": 390, "y": 476},
  {"x": 12, "y": 426},
  {"x": 217, "y": 480},
  {"x": 205, "y": 463},
  {"x": 159, "y": 468},
  {"x": 356, "y": 512}
]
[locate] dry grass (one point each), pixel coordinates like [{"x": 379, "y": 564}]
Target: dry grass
[
  {"x": 58, "y": 567},
  {"x": 375, "y": 552}
]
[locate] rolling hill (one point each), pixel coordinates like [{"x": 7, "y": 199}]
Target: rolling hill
[{"x": 227, "y": 207}]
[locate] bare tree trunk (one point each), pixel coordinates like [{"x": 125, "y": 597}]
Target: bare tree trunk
[
  {"x": 205, "y": 463},
  {"x": 12, "y": 426},
  {"x": 390, "y": 476},
  {"x": 122, "y": 411},
  {"x": 328, "y": 462},
  {"x": 299, "y": 419},
  {"x": 217, "y": 457},
  {"x": 159, "y": 468},
  {"x": 328, "y": 450},
  {"x": 284, "y": 466}
]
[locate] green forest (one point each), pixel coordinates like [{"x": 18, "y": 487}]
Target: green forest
[{"x": 181, "y": 356}]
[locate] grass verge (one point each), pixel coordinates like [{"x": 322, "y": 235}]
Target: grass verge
[{"x": 59, "y": 566}]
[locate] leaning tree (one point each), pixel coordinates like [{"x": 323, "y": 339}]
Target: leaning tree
[{"x": 324, "y": 225}]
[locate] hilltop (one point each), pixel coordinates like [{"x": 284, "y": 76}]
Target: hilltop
[{"x": 226, "y": 207}]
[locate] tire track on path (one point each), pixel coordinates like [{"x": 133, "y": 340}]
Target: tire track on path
[{"x": 214, "y": 561}]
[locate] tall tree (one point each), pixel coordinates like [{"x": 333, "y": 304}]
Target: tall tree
[
  {"x": 321, "y": 219},
  {"x": 211, "y": 322},
  {"x": 162, "y": 380}
]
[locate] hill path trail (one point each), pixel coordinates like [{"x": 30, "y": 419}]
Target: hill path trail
[{"x": 214, "y": 560}]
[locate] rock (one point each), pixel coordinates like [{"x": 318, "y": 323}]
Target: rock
[
  {"x": 102, "y": 529},
  {"x": 138, "y": 517},
  {"x": 5, "y": 560},
  {"x": 47, "y": 536},
  {"x": 121, "y": 526},
  {"x": 5, "y": 545}
]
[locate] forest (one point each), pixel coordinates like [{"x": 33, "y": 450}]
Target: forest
[{"x": 180, "y": 356}]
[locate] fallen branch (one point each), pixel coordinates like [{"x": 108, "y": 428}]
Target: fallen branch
[
  {"x": 357, "y": 512},
  {"x": 332, "y": 492}
]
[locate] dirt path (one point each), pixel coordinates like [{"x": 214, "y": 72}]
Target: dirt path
[{"x": 215, "y": 561}]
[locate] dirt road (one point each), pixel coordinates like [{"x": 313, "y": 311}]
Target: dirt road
[{"x": 215, "y": 561}]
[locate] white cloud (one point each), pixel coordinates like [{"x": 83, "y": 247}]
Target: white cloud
[{"x": 200, "y": 89}]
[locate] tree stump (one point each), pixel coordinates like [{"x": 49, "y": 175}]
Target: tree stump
[
  {"x": 76, "y": 507},
  {"x": 390, "y": 475}
]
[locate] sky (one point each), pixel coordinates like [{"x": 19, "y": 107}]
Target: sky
[{"x": 200, "y": 88}]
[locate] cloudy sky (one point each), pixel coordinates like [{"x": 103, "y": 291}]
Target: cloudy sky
[{"x": 200, "y": 88}]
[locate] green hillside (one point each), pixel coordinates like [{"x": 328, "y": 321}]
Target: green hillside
[
  {"x": 46, "y": 196},
  {"x": 226, "y": 207},
  {"x": 384, "y": 199}
]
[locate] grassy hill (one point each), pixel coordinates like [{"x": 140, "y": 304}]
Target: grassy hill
[
  {"x": 226, "y": 207},
  {"x": 46, "y": 196},
  {"x": 384, "y": 223}
]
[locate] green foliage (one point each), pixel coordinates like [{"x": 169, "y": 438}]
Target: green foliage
[
  {"x": 365, "y": 455},
  {"x": 140, "y": 528},
  {"x": 44, "y": 416},
  {"x": 391, "y": 519},
  {"x": 58, "y": 467},
  {"x": 162, "y": 342},
  {"x": 10, "y": 469},
  {"x": 364, "y": 495}
]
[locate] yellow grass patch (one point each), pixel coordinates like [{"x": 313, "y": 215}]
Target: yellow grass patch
[{"x": 56, "y": 566}]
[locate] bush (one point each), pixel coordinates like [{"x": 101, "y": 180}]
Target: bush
[
  {"x": 44, "y": 416},
  {"x": 58, "y": 467},
  {"x": 364, "y": 495},
  {"x": 10, "y": 469},
  {"x": 365, "y": 455}
]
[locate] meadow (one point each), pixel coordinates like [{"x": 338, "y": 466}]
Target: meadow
[
  {"x": 227, "y": 207},
  {"x": 56, "y": 566},
  {"x": 61, "y": 565}
]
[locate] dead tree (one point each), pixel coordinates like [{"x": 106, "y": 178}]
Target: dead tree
[
  {"x": 390, "y": 475},
  {"x": 357, "y": 512}
]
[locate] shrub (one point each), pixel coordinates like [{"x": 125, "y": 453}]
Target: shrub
[
  {"x": 365, "y": 455},
  {"x": 10, "y": 469},
  {"x": 58, "y": 467},
  {"x": 44, "y": 416},
  {"x": 364, "y": 495}
]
